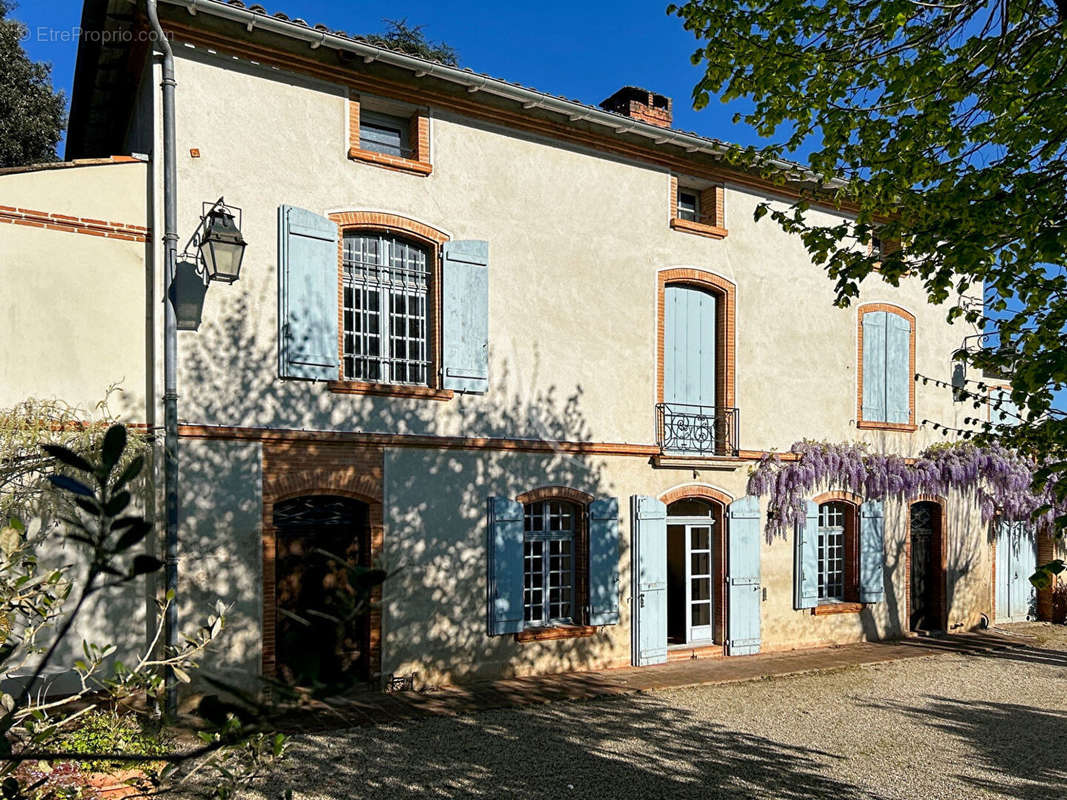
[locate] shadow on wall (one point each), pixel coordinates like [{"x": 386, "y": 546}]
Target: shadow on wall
[
  {"x": 627, "y": 747},
  {"x": 1012, "y": 742},
  {"x": 435, "y": 509}
]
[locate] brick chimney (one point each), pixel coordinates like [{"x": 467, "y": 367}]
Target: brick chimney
[{"x": 632, "y": 101}]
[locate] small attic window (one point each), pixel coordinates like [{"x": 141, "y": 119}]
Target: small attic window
[{"x": 384, "y": 133}]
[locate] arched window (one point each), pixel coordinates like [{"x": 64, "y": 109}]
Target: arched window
[
  {"x": 834, "y": 519},
  {"x": 386, "y": 309},
  {"x": 549, "y": 590}
]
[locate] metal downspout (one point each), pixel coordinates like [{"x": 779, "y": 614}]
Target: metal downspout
[{"x": 170, "y": 355}]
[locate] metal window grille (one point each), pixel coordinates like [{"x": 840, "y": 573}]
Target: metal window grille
[
  {"x": 548, "y": 563},
  {"x": 688, "y": 206},
  {"x": 386, "y": 286},
  {"x": 831, "y": 551}
]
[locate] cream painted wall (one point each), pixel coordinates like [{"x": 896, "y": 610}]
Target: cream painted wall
[
  {"x": 576, "y": 239},
  {"x": 434, "y": 607},
  {"x": 75, "y": 304}
]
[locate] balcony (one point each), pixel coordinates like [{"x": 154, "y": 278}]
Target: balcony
[{"x": 702, "y": 431}]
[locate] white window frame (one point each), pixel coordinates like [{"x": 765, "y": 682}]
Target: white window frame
[
  {"x": 539, "y": 519},
  {"x": 695, "y": 206},
  {"x": 395, "y": 276},
  {"x": 832, "y": 551}
]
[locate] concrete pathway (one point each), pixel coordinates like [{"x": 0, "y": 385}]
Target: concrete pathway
[{"x": 376, "y": 708}]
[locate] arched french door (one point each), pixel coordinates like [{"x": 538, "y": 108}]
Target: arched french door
[
  {"x": 322, "y": 629},
  {"x": 695, "y": 562}
]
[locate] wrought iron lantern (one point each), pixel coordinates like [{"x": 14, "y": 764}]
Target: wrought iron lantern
[{"x": 222, "y": 247}]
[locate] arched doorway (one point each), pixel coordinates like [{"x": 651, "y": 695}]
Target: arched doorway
[
  {"x": 926, "y": 574},
  {"x": 322, "y": 626},
  {"x": 695, "y": 563}
]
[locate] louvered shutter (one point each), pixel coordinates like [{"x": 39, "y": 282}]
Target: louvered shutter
[
  {"x": 874, "y": 338},
  {"x": 604, "y": 561},
  {"x": 307, "y": 296},
  {"x": 806, "y": 559},
  {"x": 465, "y": 316},
  {"x": 649, "y": 574},
  {"x": 898, "y": 377},
  {"x": 872, "y": 552},
  {"x": 504, "y": 601},
  {"x": 743, "y": 581}
]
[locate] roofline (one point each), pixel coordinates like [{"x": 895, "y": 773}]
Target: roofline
[
  {"x": 78, "y": 162},
  {"x": 476, "y": 82}
]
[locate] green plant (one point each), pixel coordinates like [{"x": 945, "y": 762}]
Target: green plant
[
  {"x": 110, "y": 732},
  {"x": 40, "y": 733}
]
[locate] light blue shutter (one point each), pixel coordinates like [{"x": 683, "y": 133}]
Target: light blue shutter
[
  {"x": 649, "y": 574},
  {"x": 1002, "y": 411},
  {"x": 307, "y": 296},
  {"x": 898, "y": 377},
  {"x": 743, "y": 580},
  {"x": 604, "y": 561},
  {"x": 806, "y": 559},
  {"x": 874, "y": 325},
  {"x": 465, "y": 316},
  {"x": 872, "y": 552},
  {"x": 689, "y": 346},
  {"x": 504, "y": 606}
]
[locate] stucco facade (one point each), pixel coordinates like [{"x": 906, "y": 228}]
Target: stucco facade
[{"x": 579, "y": 236}]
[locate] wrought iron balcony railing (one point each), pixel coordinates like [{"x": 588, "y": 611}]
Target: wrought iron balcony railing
[{"x": 701, "y": 430}]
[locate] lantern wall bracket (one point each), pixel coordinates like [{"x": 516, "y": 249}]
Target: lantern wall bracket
[{"x": 192, "y": 250}]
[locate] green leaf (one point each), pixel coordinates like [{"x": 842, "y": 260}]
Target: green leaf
[
  {"x": 68, "y": 484},
  {"x": 114, "y": 444},
  {"x": 117, "y": 504},
  {"x": 133, "y": 469},
  {"x": 9, "y": 540},
  {"x": 133, "y": 535},
  {"x": 143, "y": 565},
  {"x": 68, "y": 457}
]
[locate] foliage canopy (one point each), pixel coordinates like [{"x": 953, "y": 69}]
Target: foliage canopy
[
  {"x": 412, "y": 40},
  {"x": 943, "y": 124},
  {"x": 32, "y": 113}
]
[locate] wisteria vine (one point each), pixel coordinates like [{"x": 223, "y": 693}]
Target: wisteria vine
[{"x": 998, "y": 479}]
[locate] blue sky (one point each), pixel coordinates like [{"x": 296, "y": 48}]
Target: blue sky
[{"x": 584, "y": 51}]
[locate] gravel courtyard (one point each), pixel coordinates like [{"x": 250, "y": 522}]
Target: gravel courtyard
[{"x": 948, "y": 726}]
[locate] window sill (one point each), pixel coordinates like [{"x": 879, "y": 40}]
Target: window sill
[
  {"x": 387, "y": 390},
  {"x": 887, "y": 426},
  {"x": 558, "y": 632},
  {"x": 699, "y": 228},
  {"x": 390, "y": 162},
  {"x": 825, "y": 609}
]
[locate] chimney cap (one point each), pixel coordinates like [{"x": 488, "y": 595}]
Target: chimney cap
[
  {"x": 636, "y": 94},
  {"x": 638, "y": 103}
]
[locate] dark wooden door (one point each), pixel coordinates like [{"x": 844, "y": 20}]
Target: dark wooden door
[
  {"x": 925, "y": 574},
  {"x": 322, "y": 636}
]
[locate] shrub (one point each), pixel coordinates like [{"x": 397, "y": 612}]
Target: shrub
[{"x": 111, "y": 732}]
